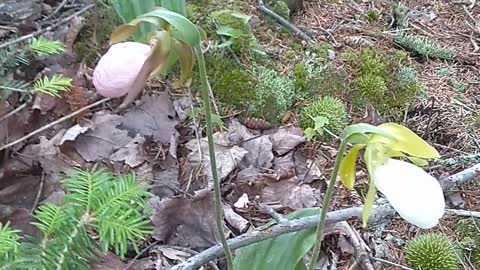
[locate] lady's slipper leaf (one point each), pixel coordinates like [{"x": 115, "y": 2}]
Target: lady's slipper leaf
[
  {"x": 347, "y": 167},
  {"x": 413, "y": 193},
  {"x": 124, "y": 31},
  {"x": 368, "y": 205},
  {"x": 186, "y": 59},
  {"x": 417, "y": 161},
  {"x": 363, "y": 128},
  {"x": 408, "y": 142},
  {"x": 187, "y": 31}
]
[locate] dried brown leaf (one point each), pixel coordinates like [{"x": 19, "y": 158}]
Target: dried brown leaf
[
  {"x": 290, "y": 194},
  {"x": 155, "y": 117},
  {"x": 109, "y": 261},
  {"x": 286, "y": 139},
  {"x": 133, "y": 153},
  {"x": 185, "y": 222}
]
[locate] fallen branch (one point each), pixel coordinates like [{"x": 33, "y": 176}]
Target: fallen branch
[
  {"x": 295, "y": 225},
  {"x": 261, "y": 6},
  {"x": 66, "y": 117},
  {"x": 378, "y": 213},
  {"x": 463, "y": 213},
  {"x": 51, "y": 27}
]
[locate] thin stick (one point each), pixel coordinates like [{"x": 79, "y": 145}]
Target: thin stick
[
  {"x": 39, "y": 193},
  {"x": 261, "y": 6},
  {"x": 66, "y": 117},
  {"x": 56, "y": 10},
  {"x": 390, "y": 263},
  {"x": 462, "y": 213},
  {"x": 19, "y": 108},
  {"x": 51, "y": 27},
  {"x": 140, "y": 254},
  {"x": 274, "y": 214}
]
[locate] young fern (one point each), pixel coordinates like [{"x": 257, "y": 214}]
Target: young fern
[
  {"x": 53, "y": 86},
  {"x": 98, "y": 203},
  {"x": 43, "y": 46},
  {"x": 8, "y": 86}
]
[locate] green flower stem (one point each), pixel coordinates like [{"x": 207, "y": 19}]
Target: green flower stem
[
  {"x": 211, "y": 150},
  {"x": 326, "y": 204}
]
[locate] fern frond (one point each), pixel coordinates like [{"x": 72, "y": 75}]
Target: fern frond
[
  {"x": 53, "y": 86},
  {"x": 11, "y": 57},
  {"x": 8, "y": 241},
  {"x": 423, "y": 46},
  {"x": 85, "y": 186},
  {"x": 7, "y": 86},
  {"x": 50, "y": 218},
  {"x": 120, "y": 193},
  {"x": 120, "y": 227},
  {"x": 44, "y": 46}
]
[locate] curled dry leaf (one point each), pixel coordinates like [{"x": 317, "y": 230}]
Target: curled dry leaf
[
  {"x": 289, "y": 193},
  {"x": 234, "y": 219},
  {"x": 155, "y": 117},
  {"x": 49, "y": 155},
  {"x": 228, "y": 156},
  {"x": 133, "y": 153},
  {"x": 184, "y": 222},
  {"x": 286, "y": 139},
  {"x": 104, "y": 138}
]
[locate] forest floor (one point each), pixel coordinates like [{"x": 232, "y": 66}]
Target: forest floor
[{"x": 160, "y": 137}]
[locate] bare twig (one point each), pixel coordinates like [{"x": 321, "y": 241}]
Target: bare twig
[
  {"x": 66, "y": 117},
  {"x": 62, "y": 4},
  {"x": 132, "y": 261},
  {"x": 463, "y": 213},
  {"x": 19, "y": 108},
  {"x": 359, "y": 246},
  {"x": 378, "y": 212},
  {"x": 39, "y": 193},
  {"x": 261, "y": 6},
  {"x": 51, "y": 27},
  {"x": 390, "y": 263},
  {"x": 274, "y": 214}
]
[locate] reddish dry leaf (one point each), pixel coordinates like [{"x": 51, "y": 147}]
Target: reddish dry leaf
[
  {"x": 185, "y": 222},
  {"x": 109, "y": 261},
  {"x": 13, "y": 127}
]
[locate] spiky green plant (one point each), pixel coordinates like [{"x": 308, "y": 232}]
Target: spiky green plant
[
  {"x": 54, "y": 85},
  {"x": 432, "y": 251},
  {"x": 424, "y": 46},
  {"x": 96, "y": 202},
  {"x": 330, "y": 108},
  {"x": 476, "y": 257},
  {"x": 468, "y": 228}
]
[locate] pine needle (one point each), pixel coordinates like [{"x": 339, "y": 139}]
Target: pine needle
[
  {"x": 54, "y": 85},
  {"x": 43, "y": 46}
]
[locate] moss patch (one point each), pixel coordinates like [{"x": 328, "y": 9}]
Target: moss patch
[{"x": 385, "y": 80}]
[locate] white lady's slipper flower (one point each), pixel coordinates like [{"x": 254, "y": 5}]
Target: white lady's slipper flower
[
  {"x": 119, "y": 67},
  {"x": 413, "y": 193}
]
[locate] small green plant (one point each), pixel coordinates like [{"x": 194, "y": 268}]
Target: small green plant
[
  {"x": 423, "y": 46},
  {"x": 372, "y": 15},
  {"x": 476, "y": 257},
  {"x": 43, "y": 46},
  {"x": 468, "y": 228},
  {"x": 281, "y": 8},
  {"x": 327, "y": 114},
  {"x": 234, "y": 26},
  {"x": 431, "y": 252},
  {"x": 400, "y": 15},
  {"x": 97, "y": 202}
]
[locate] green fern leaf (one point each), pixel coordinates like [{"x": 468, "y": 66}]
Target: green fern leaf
[
  {"x": 11, "y": 57},
  {"x": 50, "y": 218},
  {"x": 54, "y": 85},
  {"x": 8, "y": 86},
  {"x": 43, "y": 46},
  {"x": 8, "y": 240},
  {"x": 85, "y": 186}
]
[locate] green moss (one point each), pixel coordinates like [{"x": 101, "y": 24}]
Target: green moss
[
  {"x": 475, "y": 258},
  {"x": 329, "y": 107},
  {"x": 86, "y": 52},
  {"x": 274, "y": 94},
  {"x": 372, "y": 15},
  {"x": 431, "y": 252},
  {"x": 281, "y": 8},
  {"x": 225, "y": 17},
  {"x": 320, "y": 49},
  {"x": 423, "y": 46},
  {"x": 468, "y": 228},
  {"x": 231, "y": 83},
  {"x": 384, "y": 80}
]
